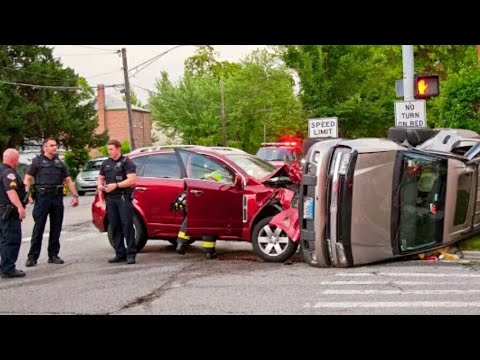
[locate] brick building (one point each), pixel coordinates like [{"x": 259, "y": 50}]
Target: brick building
[{"x": 113, "y": 116}]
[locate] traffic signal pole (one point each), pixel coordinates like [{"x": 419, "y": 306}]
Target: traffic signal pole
[{"x": 408, "y": 73}]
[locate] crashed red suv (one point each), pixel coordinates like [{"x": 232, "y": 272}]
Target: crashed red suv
[{"x": 240, "y": 208}]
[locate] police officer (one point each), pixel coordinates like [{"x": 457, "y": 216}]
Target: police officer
[
  {"x": 49, "y": 173},
  {"x": 117, "y": 179},
  {"x": 12, "y": 212}
]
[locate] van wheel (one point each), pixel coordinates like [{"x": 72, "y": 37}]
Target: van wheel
[
  {"x": 140, "y": 233},
  {"x": 270, "y": 243},
  {"x": 414, "y": 135}
]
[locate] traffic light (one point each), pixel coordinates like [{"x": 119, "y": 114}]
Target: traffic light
[{"x": 426, "y": 86}]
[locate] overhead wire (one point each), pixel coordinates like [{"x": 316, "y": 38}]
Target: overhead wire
[
  {"x": 153, "y": 59},
  {"x": 54, "y": 87},
  {"x": 31, "y": 72},
  {"x": 94, "y": 48}
]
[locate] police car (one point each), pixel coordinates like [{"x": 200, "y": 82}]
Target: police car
[{"x": 277, "y": 152}]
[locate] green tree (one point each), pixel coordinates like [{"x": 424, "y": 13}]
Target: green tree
[
  {"x": 75, "y": 158},
  {"x": 133, "y": 99},
  {"x": 33, "y": 112},
  {"x": 459, "y": 102},
  {"x": 258, "y": 92},
  {"x": 354, "y": 83}
]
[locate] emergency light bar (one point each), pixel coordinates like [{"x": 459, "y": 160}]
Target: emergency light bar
[{"x": 279, "y": 144}]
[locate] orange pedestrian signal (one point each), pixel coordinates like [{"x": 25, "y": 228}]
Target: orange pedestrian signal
[{"x": 426, "y": 86}]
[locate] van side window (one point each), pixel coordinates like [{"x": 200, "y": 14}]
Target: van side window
[
  {"x": 463, "y": 196},
  {"x": 422, "y": 201}
]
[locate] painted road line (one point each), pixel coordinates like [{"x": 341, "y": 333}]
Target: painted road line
[{"x": 395, "y": 304}]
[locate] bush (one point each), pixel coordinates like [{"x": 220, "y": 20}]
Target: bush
[
  {"x": 75, "y": 158},
  {"x": 125, "y": 148}
]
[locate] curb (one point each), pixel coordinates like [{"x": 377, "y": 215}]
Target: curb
[{"x": 471, "y": 255}]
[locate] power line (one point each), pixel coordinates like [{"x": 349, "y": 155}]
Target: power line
[
  {"x": 31, "y": 72},
  {"x": 149, "y": 91},
  {"x": 55, "y": 87},
  {"x": 107, "y": 73},
  {"x": 94, "y": 48},
  {"x": 153, "y": 59},
  {"x": 88, "y": 54}
]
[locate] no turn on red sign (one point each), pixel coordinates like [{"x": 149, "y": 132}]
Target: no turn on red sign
[{"x": 410, "y": 113}]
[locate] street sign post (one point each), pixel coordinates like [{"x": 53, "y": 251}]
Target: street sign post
[{"x": 410, "y": 113}]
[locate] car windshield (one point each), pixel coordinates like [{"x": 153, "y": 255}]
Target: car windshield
[
  {"x": 93, "y": 165},
  {"x": 252, "y": 165},
  {"x": 275, "y": 154}
]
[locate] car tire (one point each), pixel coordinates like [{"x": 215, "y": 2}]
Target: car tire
[
  {"x": 140, "y": 233},
  {"x": 272, "y": 252}
]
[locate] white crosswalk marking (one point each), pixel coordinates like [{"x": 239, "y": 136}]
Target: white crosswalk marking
[
  {"x": 386, "y": 282},
  {"x": 396, "y": 304},
  {"x": 409, "y": 292},
  {"x": 394, "y": 292},
  {"x": 409, "y": 275}
]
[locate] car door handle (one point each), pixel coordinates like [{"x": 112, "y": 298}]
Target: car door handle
[
  {"x": 196, "y": 192},
  {"x": 140, "y": 188}
]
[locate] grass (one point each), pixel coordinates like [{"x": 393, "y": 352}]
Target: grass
[{"x": 472, "y": 244}]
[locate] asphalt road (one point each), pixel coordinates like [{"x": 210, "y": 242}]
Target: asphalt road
[{"x": 163, "y": 282}]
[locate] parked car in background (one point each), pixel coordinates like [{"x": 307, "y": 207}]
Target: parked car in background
[
  {"x": 368, "y": 200},
  {"x": 86, "y": 179},
  {"x": 277, "y": 152},
  {"x": 238, "y": 208}
]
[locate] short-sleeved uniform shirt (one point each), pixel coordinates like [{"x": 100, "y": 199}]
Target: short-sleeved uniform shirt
[
  {"x": 10, "y": 180},
  {"x": 35, "y": 166}
]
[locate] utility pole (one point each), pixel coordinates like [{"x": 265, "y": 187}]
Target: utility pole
[
  {"x": 224, "y": 120},
  {"x": 128, "y": 99},
  {"x": 408, "y": 73}
]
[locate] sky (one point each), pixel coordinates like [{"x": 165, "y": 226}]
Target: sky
[{"x": 99, "y": 64}]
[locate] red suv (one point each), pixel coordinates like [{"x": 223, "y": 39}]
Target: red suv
[
  {"x": 238, "y": 208},
  {"x": 277, "y": 152}
]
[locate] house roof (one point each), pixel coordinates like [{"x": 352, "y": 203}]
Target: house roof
[{"x": 113, "y": 103}]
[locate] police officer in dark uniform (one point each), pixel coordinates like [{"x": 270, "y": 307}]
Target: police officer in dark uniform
[
  {"x": 117, "y": 179},
  {"x": 50, "y": 173},
  {"x": 12, "y": 212}
]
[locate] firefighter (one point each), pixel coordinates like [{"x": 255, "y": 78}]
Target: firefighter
[
  {"x": 208, "y": 241},
  {"x": 50, "y": 173},
  {"x": 12, "y": 212},
  {"x": 117, "y": 179}
]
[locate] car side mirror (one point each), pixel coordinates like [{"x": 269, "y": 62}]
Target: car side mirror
[{"x": 238, "y": 182}]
